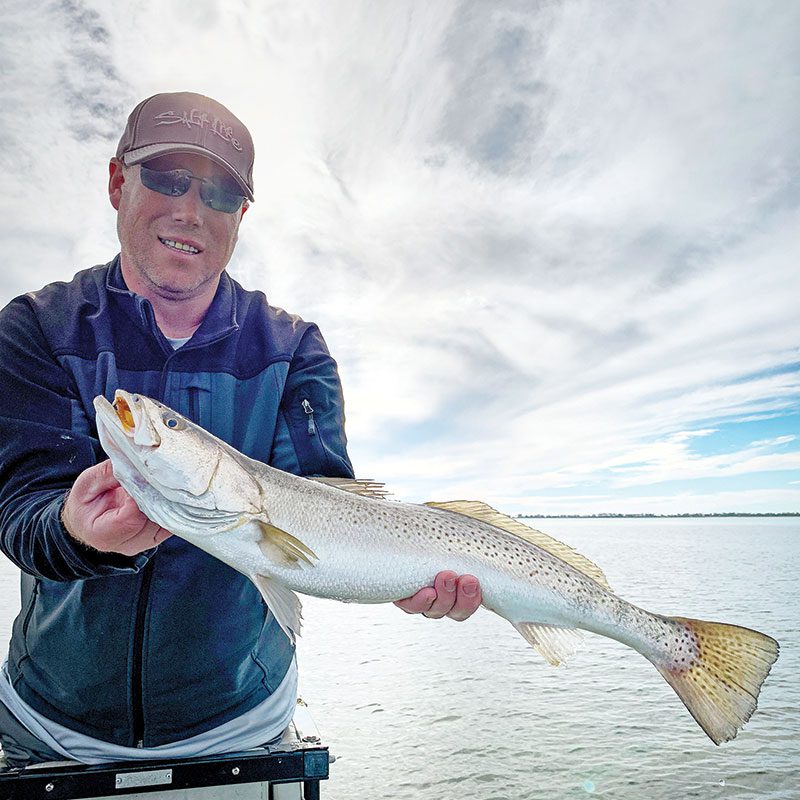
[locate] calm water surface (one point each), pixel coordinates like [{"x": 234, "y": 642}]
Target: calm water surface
[{"x": 424, "y": 709}]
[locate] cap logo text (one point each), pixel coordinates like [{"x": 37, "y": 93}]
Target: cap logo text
[{"x": 201, "y": 120}]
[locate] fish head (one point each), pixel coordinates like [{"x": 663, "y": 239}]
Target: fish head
[{"x": 150, "y": 445}]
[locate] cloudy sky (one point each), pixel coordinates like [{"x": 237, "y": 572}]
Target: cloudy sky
[{"x": 553, "y": 245}]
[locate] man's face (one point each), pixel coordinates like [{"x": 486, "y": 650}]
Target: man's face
[{"x": 149, "y": 225}]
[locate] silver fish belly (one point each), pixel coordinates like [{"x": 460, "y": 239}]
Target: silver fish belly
[{"x": 341, "y": 539}]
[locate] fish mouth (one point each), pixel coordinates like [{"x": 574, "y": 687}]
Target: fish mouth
[
  {"x": 116, "y": 429},
  {"x": 125, "y": 415},
  {"x": 126, "y": 421}
]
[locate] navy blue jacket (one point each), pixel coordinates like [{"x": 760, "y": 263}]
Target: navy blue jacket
[{"x": 170, "y": 643}]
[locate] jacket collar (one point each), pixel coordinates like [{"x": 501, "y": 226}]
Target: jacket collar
[{"x": 219, "y": 321}]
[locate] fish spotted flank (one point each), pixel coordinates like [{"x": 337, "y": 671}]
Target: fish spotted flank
[{"x": 342, "y": 539}]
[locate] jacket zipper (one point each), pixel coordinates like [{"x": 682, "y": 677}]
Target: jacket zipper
[
  {"x": 137, "y": 689},
  {"x": 29, "y": 612},
  {"x": 194, "y": 404},
  {"x": 312, "y": 428}
]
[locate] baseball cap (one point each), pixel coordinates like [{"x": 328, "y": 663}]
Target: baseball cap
[{"x": 185, "y": 122}]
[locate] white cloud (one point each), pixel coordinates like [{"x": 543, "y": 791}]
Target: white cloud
[
  {"x": 778, "y": 440},
  {"x": 540, "y": 241}
]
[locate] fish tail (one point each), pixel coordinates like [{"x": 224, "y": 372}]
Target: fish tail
[{"x": 717, "y": 671}]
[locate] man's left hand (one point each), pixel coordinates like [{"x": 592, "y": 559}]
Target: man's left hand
[{"x": 452, "y": 595}]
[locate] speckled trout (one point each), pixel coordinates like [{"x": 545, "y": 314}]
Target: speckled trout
[{"x": 344, "y": 540}]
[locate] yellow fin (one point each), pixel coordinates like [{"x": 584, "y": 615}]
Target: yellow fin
[
  {"x": 720, "y": 686},
  {"x": 281, "y": 547},
  {"x": 485, "y": 513},
  {"x": 555, "y": 644},
  {"x": 366, "y": 487}
]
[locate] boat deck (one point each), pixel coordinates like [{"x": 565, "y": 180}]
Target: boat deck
[{"x": 289, "y": 770}]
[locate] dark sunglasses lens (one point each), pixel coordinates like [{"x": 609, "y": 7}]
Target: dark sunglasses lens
[
  {"x": 220, "y": 197},
  {"x": 171, "y": 182},
  {"x": 217, "y": 193}
]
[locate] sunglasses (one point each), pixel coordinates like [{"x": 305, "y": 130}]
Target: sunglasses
[{"x": 217, "y": 193}]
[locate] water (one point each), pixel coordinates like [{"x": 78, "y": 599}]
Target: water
[{"x": 424, "y": 709}]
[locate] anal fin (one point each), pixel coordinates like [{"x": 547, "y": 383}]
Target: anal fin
[
  {"x": 283, "y": 603},
  {"x": 553, "y": 643}
]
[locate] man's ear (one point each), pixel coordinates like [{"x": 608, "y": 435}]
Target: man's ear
[
  {"x": 245, "y": 206},
  {"x": 115, "y": 181}
]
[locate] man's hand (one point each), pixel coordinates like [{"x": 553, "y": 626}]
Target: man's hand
[
  {"x": 99, "y": 513},
  {"x": 452, "y": 595}
]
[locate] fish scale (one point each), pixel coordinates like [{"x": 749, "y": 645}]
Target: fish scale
[
  {"x": 326, "y": 538},
  {"x": 447, "y": 542}
]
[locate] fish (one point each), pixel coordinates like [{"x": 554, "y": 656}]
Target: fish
[{"x": 345, "y": 539}]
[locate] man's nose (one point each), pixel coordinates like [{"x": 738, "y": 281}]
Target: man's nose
[{"x": 188, "y": 208}]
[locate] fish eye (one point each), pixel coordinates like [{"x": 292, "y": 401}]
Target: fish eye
[{"x": 172, "y": 422}]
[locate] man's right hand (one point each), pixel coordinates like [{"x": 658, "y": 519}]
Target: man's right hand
[{"x": 99, "y": 513}]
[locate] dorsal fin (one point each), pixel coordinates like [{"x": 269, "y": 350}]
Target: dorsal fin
[
  {"x": 366, "y": 487},
  {"x": 485, "y": 513}
]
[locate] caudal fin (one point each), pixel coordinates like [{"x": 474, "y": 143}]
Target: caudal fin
[{"x": 719, "y": 680}]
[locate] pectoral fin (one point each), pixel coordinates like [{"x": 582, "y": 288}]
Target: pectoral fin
[
  {"x": 283, "y": 603},
  {"x": 282, "y": 548}
]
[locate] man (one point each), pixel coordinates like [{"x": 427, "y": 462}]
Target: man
[{"x": 131, "y": 643}]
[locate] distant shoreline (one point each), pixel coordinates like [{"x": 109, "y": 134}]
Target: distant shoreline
[{"x": 658, "y": 516}]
